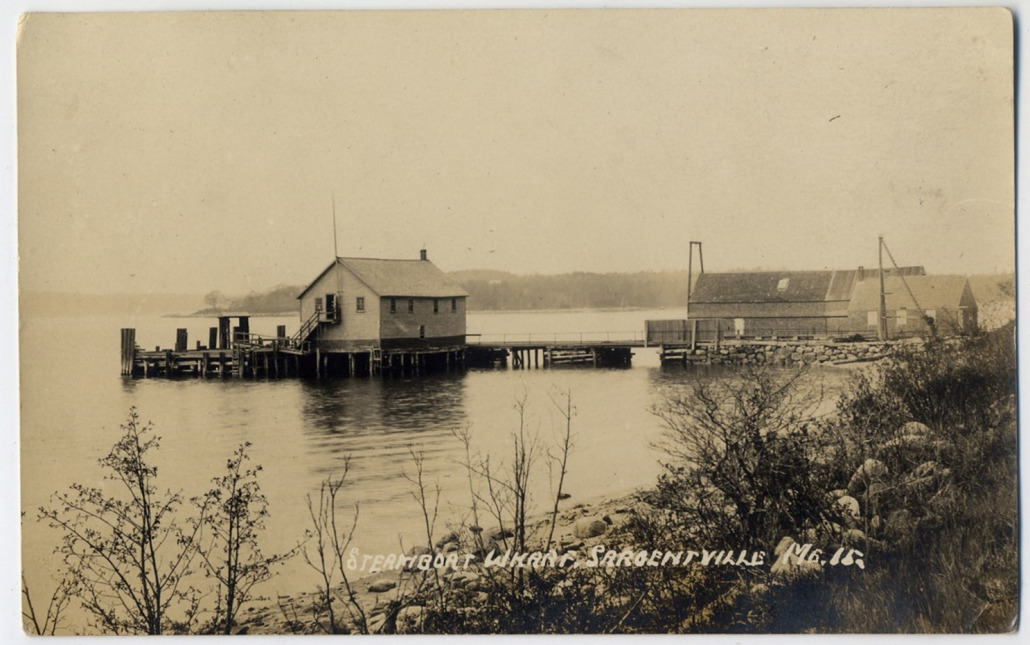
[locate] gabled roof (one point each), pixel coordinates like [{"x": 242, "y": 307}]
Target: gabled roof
[
  {"x": 762, "y": 286},
  {"x": 930, "y": 291},
  {"x": 785, "y": 286},
  {"x": 403, "y": 278}
]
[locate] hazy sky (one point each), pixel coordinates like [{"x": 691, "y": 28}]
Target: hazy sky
[{"x": 198, "y": 151}]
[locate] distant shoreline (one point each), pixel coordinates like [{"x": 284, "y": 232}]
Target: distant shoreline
[{"x": 279, "y": 314}]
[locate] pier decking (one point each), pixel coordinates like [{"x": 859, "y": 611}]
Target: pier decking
[
  {"x": 244, "y": 354},
  {"x": 282, "y": 356},
  {"x": 597, "y": 349}
]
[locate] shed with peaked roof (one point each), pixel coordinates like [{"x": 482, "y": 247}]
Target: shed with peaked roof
[
  {"x": 771, "y": 303},
  {"x": 361, "y": 304},
  {"x": 760, "y": 304},
  {"x": 946, "y": 299}
]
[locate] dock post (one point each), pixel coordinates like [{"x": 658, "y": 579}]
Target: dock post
[
  {"x": 206, "y": 364},
  {"x": 212, "y": 338},
  {"x": 128, "y": 350},
  {"x": 181, "y": 340},
  {"x": 318, "y": 362},
  {"x": 168, "y": 363},
  {"x": 280, "y": 331},
  {"x": 223, "y": 332},
  {"x": 350, "y": 364}
]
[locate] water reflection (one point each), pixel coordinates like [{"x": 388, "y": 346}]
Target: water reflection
[{"x": 378, "y": 422}]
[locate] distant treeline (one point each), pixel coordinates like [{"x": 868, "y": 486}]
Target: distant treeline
[
  {"x": 278, "y": 300},
  {"x": 502, "y": 291}
]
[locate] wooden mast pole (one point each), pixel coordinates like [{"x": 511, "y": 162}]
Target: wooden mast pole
[
  {"x": 690, "y": 285},
  {"x": 882, "y": 327}
]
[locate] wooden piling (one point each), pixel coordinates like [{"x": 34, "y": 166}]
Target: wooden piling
[
  {"x": 212, "y": 338},
  {"x": 181, "y": 340},
  {"x": 128, "y": 351},
  {"x": 223, "y": 332}
]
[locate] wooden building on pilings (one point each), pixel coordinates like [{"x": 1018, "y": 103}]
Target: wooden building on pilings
[
  {"x": 360, "y": 316},
  {"x": 369, "y": 316}
]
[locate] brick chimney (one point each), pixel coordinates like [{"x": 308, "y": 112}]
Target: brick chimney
[{"x": 422, "y": 255}]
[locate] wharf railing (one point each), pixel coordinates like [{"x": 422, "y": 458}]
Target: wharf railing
[
  {"x": 559, "y": 339},
  {"x": 261, "y": 341}
]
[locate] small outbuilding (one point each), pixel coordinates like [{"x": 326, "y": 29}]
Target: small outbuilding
[
  {"x": 911, "y": 305},
  {"x": 825, "y": 304},
  {"x": 776, "y": 304}
]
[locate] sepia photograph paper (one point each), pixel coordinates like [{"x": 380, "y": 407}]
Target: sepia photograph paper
[{"x": 517, "y": 321}]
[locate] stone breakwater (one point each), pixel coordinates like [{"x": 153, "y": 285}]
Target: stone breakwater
[{"x": 782, "y": 353}]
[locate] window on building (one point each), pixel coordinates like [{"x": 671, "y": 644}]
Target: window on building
[
  {"x": 454, "y": 305},
  {"x": 873, "y": 319},
  {"x": 783, "y": 283},
  {"x": 436, "y": 306},
  {"x": 393, "y": 305},
  {"x": 902, "y": 317},
  {"x": 411, "y": 305},
  {"x": 361, "y": 303}
]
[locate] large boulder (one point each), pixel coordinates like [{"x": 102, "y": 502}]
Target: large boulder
[
  {"x": 498, "y": 535},
  {"x": 409, "y": 619},
  {"x": 870, "y": 472},
  {"x": 589, "y": 527},
  {"x": 926, "y": 477},
  {"x": 915, "y": 428},
  {"x": 382, "y": 586},
  {"x": 850, "y": 510}
]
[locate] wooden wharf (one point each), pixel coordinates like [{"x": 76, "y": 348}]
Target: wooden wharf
[
  {"x": 525, "y": 351},
  {"x": 239, "y": 353},
  {"x": 243, "y": 354}
]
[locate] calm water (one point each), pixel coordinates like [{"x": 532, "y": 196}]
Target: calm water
[{"x": 73, "y": 401}]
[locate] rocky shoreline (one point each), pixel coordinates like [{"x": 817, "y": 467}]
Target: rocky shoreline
[{"x": 579, "y": 527}]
